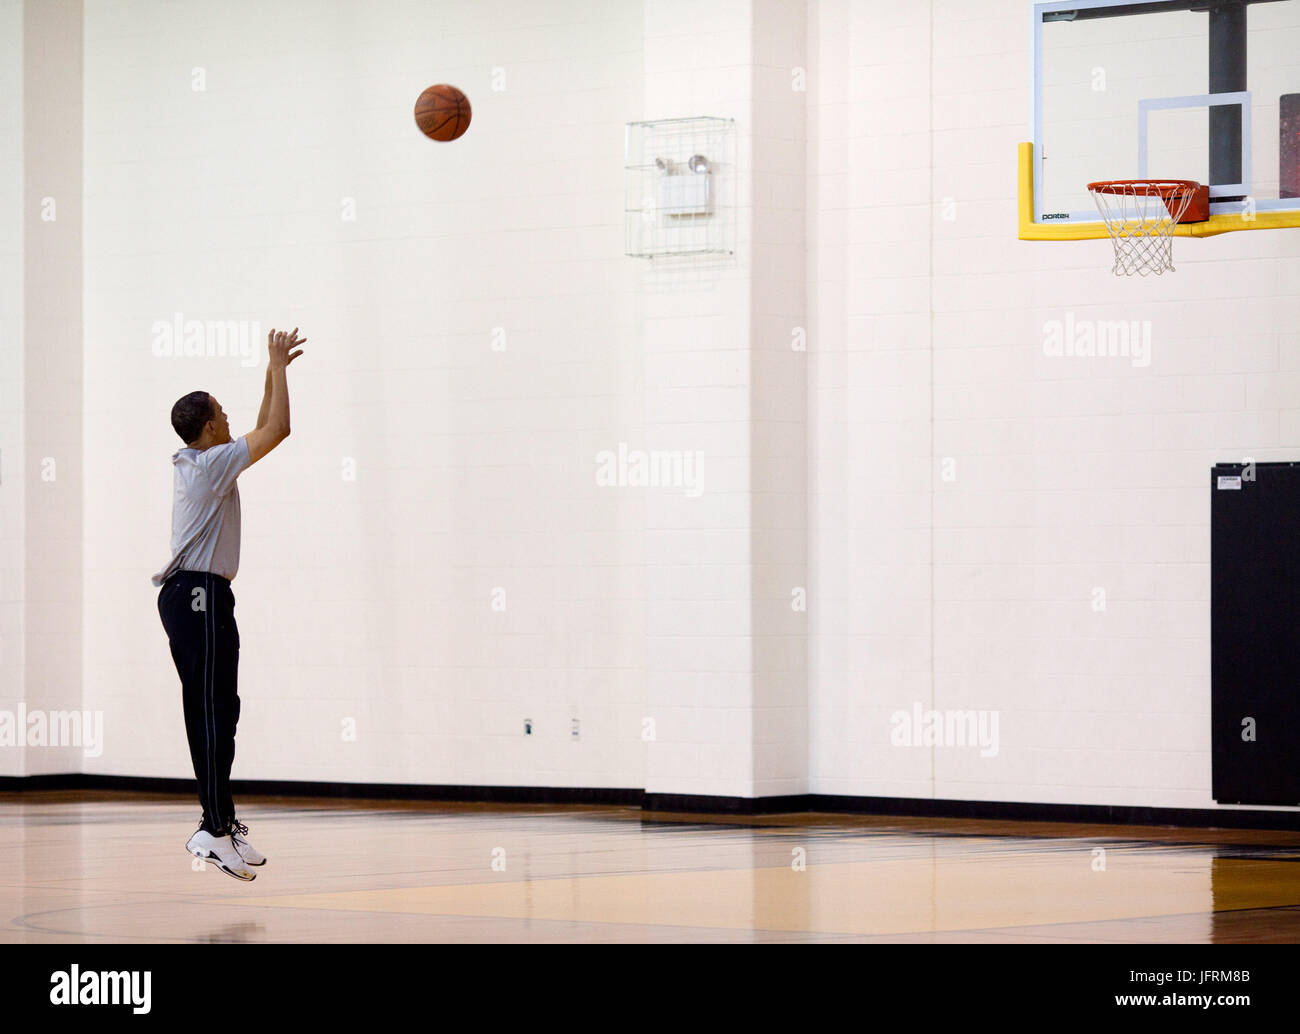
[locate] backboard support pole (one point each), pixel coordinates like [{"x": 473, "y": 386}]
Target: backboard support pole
[{"x": 1227, "y": 45}]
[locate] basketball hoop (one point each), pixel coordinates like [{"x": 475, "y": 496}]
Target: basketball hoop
[{"x": 1140, "y": 216}]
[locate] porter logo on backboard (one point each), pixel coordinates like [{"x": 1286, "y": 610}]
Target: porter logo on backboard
[
  {"x": 72, "y": 987},
  {"x": 1098, "y": 339}
]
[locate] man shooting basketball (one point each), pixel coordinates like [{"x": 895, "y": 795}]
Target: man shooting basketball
[{"x": 196, "y": 604}]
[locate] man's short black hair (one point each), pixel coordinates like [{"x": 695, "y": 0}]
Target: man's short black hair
[{"x": 190, "y": 413}]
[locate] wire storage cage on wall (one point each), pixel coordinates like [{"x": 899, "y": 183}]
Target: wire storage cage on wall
[{"x": 680, "y": 187}]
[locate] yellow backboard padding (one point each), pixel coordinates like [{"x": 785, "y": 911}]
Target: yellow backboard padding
[{"x": 1216, "y": 224}]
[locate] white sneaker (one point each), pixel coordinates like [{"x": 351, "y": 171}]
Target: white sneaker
[
  {"x": 220, "y": 851},
  {"x": 247, "y": 851}
]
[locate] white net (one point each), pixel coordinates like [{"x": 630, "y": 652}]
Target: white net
[{"x": 1140, "y": 216}]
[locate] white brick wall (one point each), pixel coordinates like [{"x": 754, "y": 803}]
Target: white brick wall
[
  {"x": 1071, "y": 473},
  {"x": 698, "y": 393},
  {"x": 12, "y": 472},
  {"x": 372, "y": 600}
]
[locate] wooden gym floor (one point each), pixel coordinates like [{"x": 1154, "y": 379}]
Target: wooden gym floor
[{"x": 111, "y": 867}]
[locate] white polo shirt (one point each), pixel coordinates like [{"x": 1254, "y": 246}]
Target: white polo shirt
[{"x": 205, "y": 510}]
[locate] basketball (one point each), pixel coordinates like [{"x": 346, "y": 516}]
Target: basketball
[{"x": 442, "y": 113}]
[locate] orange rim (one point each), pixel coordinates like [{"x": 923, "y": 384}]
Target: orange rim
[{"x": 1164, "y": 188}]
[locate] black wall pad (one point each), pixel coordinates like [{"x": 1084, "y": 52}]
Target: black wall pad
[{"x": 1255, "y": 633}]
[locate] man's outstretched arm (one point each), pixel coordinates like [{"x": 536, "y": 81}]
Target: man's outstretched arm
[
  {"x": 275, "y": 428},
  {"x": 265, "y": 411},
  {"x": 266, "y": 400}
]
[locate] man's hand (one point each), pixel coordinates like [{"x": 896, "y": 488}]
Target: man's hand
[{"x": 279, "y": 344}]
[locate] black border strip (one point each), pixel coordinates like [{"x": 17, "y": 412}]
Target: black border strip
[
  {"x": 360, "y": 791},
  {"x": 913, "y": 807}
]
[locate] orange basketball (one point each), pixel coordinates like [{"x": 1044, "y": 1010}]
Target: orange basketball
[{"x": 442, "y": 112}]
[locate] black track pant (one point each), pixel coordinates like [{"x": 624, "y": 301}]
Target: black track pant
[{"x": 198, "y": 612}]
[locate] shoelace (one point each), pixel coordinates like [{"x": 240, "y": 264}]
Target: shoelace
[{"x": 238, "y": 829}]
